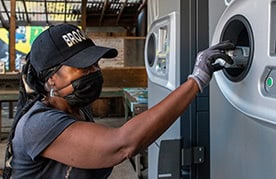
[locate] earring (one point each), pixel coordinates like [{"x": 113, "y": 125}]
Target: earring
[{"x": 52, "y": 92}]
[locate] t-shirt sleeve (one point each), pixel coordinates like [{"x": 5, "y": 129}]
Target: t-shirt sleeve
[{"x": 40, "y": 129}]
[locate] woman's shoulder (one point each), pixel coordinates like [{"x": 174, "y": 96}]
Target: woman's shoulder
[
  {"x": 41, "y": 117},
  {"x": 40, "y": 126}
]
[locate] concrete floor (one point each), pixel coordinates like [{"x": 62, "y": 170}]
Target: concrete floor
[{"x": 125, "y": 170}]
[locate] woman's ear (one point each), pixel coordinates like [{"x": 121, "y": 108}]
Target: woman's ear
[
  {"x": 47, "y": 87},
  {"x": 49, "y": 84}
]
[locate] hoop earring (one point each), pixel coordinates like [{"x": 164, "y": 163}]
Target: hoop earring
[{"x": 52, "y": 92}]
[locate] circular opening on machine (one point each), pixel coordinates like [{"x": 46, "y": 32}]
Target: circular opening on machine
[
  {"x": 151, "y": 50},
  {"x": 238, "y": 31}
]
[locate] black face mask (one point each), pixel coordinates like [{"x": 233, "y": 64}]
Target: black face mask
[{"x": 86, "y": 89}]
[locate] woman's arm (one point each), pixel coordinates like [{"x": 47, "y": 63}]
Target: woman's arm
[{"x": 90, "y": 145}]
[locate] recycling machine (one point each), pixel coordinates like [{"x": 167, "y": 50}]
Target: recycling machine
[
  {"x": 243, "y": 97},
  {"x": 175, "y": 28}
]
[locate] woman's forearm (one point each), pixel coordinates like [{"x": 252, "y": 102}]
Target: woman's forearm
[{"x": 146, "y": 127}]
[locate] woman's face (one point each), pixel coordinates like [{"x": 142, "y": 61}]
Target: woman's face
[{"x": 61, "y": 80}]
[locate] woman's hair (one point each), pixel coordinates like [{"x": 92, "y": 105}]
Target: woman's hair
[{"x": 31, "y": 89}]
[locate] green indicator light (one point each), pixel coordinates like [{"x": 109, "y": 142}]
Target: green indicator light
[{"x": 269, "y": 81}]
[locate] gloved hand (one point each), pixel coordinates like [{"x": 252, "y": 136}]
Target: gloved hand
[{"x": 205, "y": 63}]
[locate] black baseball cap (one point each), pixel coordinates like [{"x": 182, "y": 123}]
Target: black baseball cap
[{"x": 66, "y": 44}]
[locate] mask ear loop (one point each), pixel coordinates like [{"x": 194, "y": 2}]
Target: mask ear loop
[{"x": 52, "y": 92}]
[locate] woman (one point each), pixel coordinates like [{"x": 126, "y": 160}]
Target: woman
[{"x": 54, "y": 135}]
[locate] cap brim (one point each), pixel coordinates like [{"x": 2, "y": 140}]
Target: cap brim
[{"x": 90, "y": 56}]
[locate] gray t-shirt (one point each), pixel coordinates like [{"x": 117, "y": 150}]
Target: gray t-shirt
[{"x": 40, "y": 126}]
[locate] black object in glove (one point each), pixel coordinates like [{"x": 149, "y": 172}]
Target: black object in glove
[{"x": 205, "y": 63}]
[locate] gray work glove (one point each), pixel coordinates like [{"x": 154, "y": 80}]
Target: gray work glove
[{"x": 205, "y": 63}]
